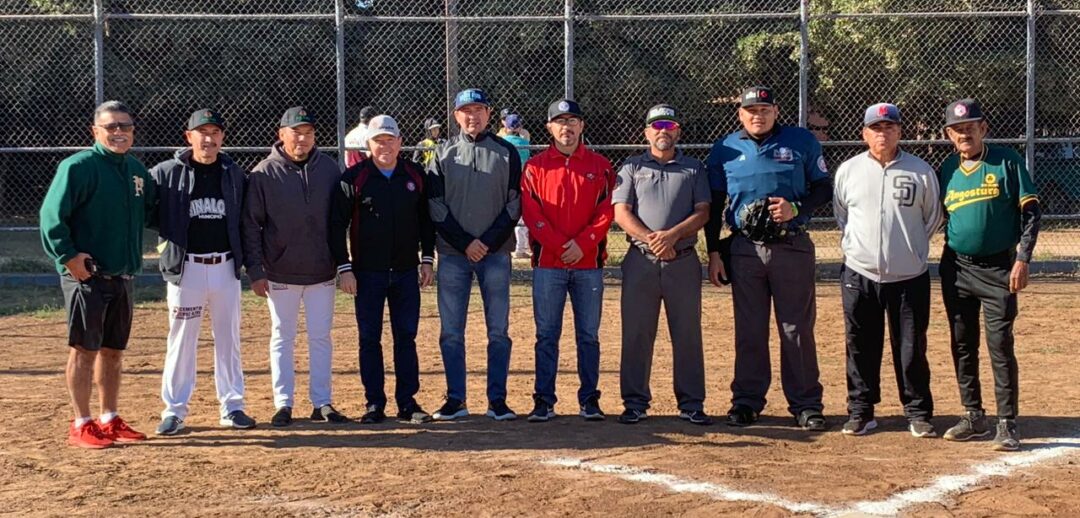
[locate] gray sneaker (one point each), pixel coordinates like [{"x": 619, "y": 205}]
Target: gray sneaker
[
  {"x": 1006, "y": 438},
  {"x": 859, "y": 425},
  {"x": 971, "y": 426},
  {"x": 921, "y": 428},
  {"x": 170, "y": 426},
  {"x": 237, "y": 419}
]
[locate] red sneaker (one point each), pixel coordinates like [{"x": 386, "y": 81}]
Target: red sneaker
[
  {"x": 119, "y": 431},
  {"x": 88, "y": 436}
]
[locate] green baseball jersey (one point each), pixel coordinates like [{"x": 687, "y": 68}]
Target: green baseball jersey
[{"x": 984, "y": 200}]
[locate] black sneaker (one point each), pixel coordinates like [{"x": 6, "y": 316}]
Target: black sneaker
[
  {"x": 413, "y": 414},
  {"x": 374, "y": 415},
  {"x": 452, "y": 409},
  {"x": 328, "y": 414},
  {"x": 811, "y": 420},
  {"x": 498, "y": 411},
  {"x": 698, "y": 417},
  {"x": 1006, "y": 438},
  {"x": 283, "y": 417},
  {"x": 631, "y": 416},
  {"x": 921, "y": 428},
  {"x": 170, "y": 426},
  {"x": 237, "y": 419},
  {"x": 741, "y": 415},
  {"x": 542, "y": 412},
  {"x": 591, "y": 410},
  {"x": 971, "y": 426},
  {"x": 859, "y": 425}
]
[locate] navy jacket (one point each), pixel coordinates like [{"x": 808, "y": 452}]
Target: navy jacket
[{"x": 175, "y": 178}]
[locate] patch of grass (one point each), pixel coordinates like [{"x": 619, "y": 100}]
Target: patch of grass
[
  {"x": 47, "y": 302},
  {"x": 21, "y": 252}
]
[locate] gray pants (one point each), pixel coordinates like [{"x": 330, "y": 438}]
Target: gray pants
[
  {"x": 646, "y": 282},
  {"x": 784, "y": 273}
]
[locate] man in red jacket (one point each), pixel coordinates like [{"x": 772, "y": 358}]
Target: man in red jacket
[{"x": 566, "y": 204}]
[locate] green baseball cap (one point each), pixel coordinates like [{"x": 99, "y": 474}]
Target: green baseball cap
[{"x": 205, "y": 116}]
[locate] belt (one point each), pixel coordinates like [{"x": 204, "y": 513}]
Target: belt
[
  {"x": 123, "y": 277},
  {"x": 213, "y": 259},
  {"x": 788, "y": 235},
  {"x": 679, "y": 254},
  {"x": 1000, "y": 257}
]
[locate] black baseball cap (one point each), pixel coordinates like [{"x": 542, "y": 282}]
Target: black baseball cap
[
  {"x": 964, "y": 110},
  {"x": 367, "y": 113},
  {"x": 296, "y": 116},
  {"x": 205, "y": 116},
  {"x": 564, "y": 107},
  {"x": 756, "y": 95},
  {"x": 662, "y": 112}
]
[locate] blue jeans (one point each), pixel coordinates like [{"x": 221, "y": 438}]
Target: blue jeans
[
  {"x": 586, "y": 289},
  {"x": 455, "y": 276},
  {"x": 402, "y": 290}
]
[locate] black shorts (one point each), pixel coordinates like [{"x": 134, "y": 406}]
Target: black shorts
[{"x": 99, "y": 311}]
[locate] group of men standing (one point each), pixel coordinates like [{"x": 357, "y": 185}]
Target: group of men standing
[{"x": 300, "y": 228}]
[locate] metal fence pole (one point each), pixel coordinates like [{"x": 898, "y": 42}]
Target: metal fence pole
[
  {"x": 99, "y": 52},
  {"x": 568, "y": 48},
  {"x": 1029, "y": 101},
  {"x": 451, "y": 62},
  {"x": 339, "y": 32},
  {"x": 804, "y": 61}
]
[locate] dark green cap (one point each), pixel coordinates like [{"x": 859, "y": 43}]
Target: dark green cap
[
  {"x": 296, "y": 116},
  {"x": 205, "y": 116}
]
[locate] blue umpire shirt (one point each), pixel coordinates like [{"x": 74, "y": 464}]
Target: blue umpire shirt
[{"x": 783, "y": 165}]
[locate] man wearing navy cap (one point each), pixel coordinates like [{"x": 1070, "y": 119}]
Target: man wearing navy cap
[
  {"x": 774, "y": 177},
  {"x": 886, "y": 202},
  {"x": 474, "y": 192}
]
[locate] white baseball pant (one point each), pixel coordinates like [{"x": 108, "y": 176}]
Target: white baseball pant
[
  {"x": 203, "y": 288},
  {"x": 284, "y": 301}
]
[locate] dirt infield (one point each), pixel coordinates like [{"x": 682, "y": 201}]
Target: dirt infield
[{"x": 482, "y": 468}]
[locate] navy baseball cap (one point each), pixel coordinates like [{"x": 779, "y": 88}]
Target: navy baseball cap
[
  {"x": 881, "y": 112},
  {"x": 471, "y": 96},
  {"x": 296, "y": 116},
  {"x": 756, "y": 95},
  {"x": 564, "y": 107},
  {"x": 964, "y": 110},
  {"x": 205, "y": 116},
  {"x": 513, "y": 121}
]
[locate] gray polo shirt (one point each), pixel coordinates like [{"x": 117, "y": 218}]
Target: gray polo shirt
[{"x": 662, "y": 195}]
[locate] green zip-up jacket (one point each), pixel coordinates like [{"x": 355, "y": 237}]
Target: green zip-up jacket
[{"x": 98, "y": 204}]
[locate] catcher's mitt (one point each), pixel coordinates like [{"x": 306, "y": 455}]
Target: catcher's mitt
[{"x": 757, "y": 224}]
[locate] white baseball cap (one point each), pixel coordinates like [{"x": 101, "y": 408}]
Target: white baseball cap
[{"x": 382, "y": 125}]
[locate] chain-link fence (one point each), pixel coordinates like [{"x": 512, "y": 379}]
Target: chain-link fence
[{"x": 826, "y": 59}]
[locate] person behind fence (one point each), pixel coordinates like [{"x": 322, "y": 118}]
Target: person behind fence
[
  {"x": 474, "y": 188},
  {"x": 287, "y": 256},
  {"x": 356, "y": 139},
  {"x": 91, "y": 224},
  {"x": 774, "y": 177},
  {"x": 566, "y": 201},
  {"x": 514, "y": 127},
  {"x": 425, "y": 149},
  {"x": 661, "y": 200},
  {"x": 886, "y": 203},
  {"x": 381, "y": 206},
  {"x": 993, "y": 223},
  {"x": 200, "y": 192},
  {"x": 505, "y": 114}
]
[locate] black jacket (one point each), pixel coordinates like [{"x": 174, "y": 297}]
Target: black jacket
[
  {"x": 175, "y": 178},
  {"x": 386, "y": 220}
]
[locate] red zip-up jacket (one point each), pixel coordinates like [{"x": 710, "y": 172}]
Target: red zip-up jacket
[{"x": 567, "y": 197}]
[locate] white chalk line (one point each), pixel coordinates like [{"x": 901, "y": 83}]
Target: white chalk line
[{"x": 936, "y": 492}]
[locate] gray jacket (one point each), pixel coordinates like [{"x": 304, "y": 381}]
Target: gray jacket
[
  {"x": 286, "y": 219},
  {"x": 474, "y": 191},
  {"x": 887, "y": 215}
]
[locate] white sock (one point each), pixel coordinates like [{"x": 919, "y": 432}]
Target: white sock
[
  {"x": 79, "y": 421},
  {"x": 106, "y": 417}
]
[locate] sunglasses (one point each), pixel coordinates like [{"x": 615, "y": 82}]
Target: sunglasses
[
  {"x": 567, "y": 121},
  {"x": 122, "y": 126},
  {"x": 664, "y": 125}
]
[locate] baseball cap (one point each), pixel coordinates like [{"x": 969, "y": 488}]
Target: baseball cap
[
  {"x": 964, "y": 110},
  {"x": 881, "y": 112},
  {"x": 296, "y": 116},
  {"x": 513, "y": 121},
  {"x": 471, "y": 96},
  {"x": 431, "y": 122},
  {"x": 564, "y": 107},
  {"x": 756, "y": 95},
  {"x": 205, "y": 116},
  {"x": 662, "y": 112},
  {"x": 367, "y": 112},
  {"x": 505, "y": 112},
  {"x": 382, "y": 125}
]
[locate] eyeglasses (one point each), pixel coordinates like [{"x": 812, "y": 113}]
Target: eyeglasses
[
  {"x": 567, "y": 121},
  {"x": 664, "y": 125},
  {"x": 122, "y": 126}
]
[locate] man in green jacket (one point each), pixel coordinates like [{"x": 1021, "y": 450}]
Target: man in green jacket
[{"x": 91, "y": 225}]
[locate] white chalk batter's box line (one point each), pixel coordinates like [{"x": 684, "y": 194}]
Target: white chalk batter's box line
[{"x": 938, "y": 491}]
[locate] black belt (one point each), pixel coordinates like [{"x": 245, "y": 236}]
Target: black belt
[
  {"x": 214, "y": 259},
  {"x": 998, "y": 258},
  {"x": 788, "y": 235}
]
